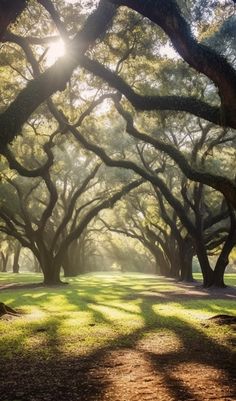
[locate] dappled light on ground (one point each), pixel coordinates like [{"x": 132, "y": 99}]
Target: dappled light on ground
[
  {"x": 104, "y": 338},
  {"x": 136, "y": 375},
  {"x": 160, "y": 343},
  {"x": 212, "y": 385}
]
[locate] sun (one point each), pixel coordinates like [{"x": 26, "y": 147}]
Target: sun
[{"x": 55, "y": 51}]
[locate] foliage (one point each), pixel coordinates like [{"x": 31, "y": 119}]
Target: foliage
[{"x": 117, "y": 89}]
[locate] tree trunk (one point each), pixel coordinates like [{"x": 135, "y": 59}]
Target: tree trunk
[
  {"x": 218, "y": 276},
  {"x": 186, "y": 268},
  {"x": 223, "y": 260},
  {"x": 51, "y": 274},
  {"x": 16, "y": 267},
  {"x": 79, "y": 256},
  {"x": 37, "y": 268},
  {"x": 4, "y": 262},
  {"x": 174, "y": 266},
  {"x": 157, "y": 266},
  {"x": 72, "y": 263},
  {"x": 172, "y": 253},
  {"x": 50, "y": 268},
  {"x": 186, "y": 253},
  {"x": 50, "y": 264},
  {"x": 206, "y": 269},
  {"x": 69, "y": 267},
  {"x": 162, "y": 265}
]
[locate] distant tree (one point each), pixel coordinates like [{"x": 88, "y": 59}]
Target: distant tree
[
  {"x": 50, "y": 211},
  {"x": 16, "y": 257},
  {"x": 193, "y": 212},
  {"x": 9, "y": 254},
  {"x": 4, "y": 253}
]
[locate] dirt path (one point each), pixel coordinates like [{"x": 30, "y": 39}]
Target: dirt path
[
  {"x": 166, "y": 366},
  {"x": 133, "y": 376},
  {"x": 157, "y": 368}
]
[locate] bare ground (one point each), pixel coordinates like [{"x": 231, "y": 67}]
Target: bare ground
[{"x": 147, "y": 372}]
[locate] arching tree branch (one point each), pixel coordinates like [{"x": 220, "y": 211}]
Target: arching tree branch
[
  {"x": 140, "y": 102},
  {"x": 55, "y": 77},
  {"x": 203, "y": 59}
]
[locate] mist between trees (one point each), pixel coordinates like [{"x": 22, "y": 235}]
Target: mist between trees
[{"x": 118, "y": 138}]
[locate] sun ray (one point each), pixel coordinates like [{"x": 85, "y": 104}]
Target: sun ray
[{"x": 54, "y": 52}]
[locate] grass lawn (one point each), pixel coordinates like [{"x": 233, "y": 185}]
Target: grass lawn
[
  {"x": 96, "y": 310},
  {"x": 101, "y": 312}
]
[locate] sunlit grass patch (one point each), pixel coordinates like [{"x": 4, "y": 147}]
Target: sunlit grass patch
[
  {"x": 103, "y": 310},
  {"x": 20, "y": 278}
]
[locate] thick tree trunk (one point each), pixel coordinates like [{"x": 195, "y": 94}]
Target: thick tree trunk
[
  {"x": 207, "y": 272},
  {"x": 186, "y": 269},
  {"x": 218, "y": 277},
  {"x": 172, "y": 253},
  {"x": 50, "y": 268},
  {"x": 51, "y": 275},
  {"x": 174, "y": 266},
  {"x": 49, "y": 263},
  {"x": 186, "y": 253},
  {"x": 223, "y": 260},
  {"x": 162, "y": 265}
]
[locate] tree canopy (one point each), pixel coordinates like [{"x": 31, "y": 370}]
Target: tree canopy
[{"x": 145, "y": 87}]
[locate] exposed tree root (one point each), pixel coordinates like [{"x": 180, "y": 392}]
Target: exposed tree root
[
  {"x": 7, "y": 310},
  {"x": 57, "y": 284},
  {"x": 223, "y": 319}
]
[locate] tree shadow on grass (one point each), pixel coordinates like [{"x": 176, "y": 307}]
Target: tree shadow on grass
[
  {"x": 98, "y": 376},
  {"x": 147, "y": 364}
]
